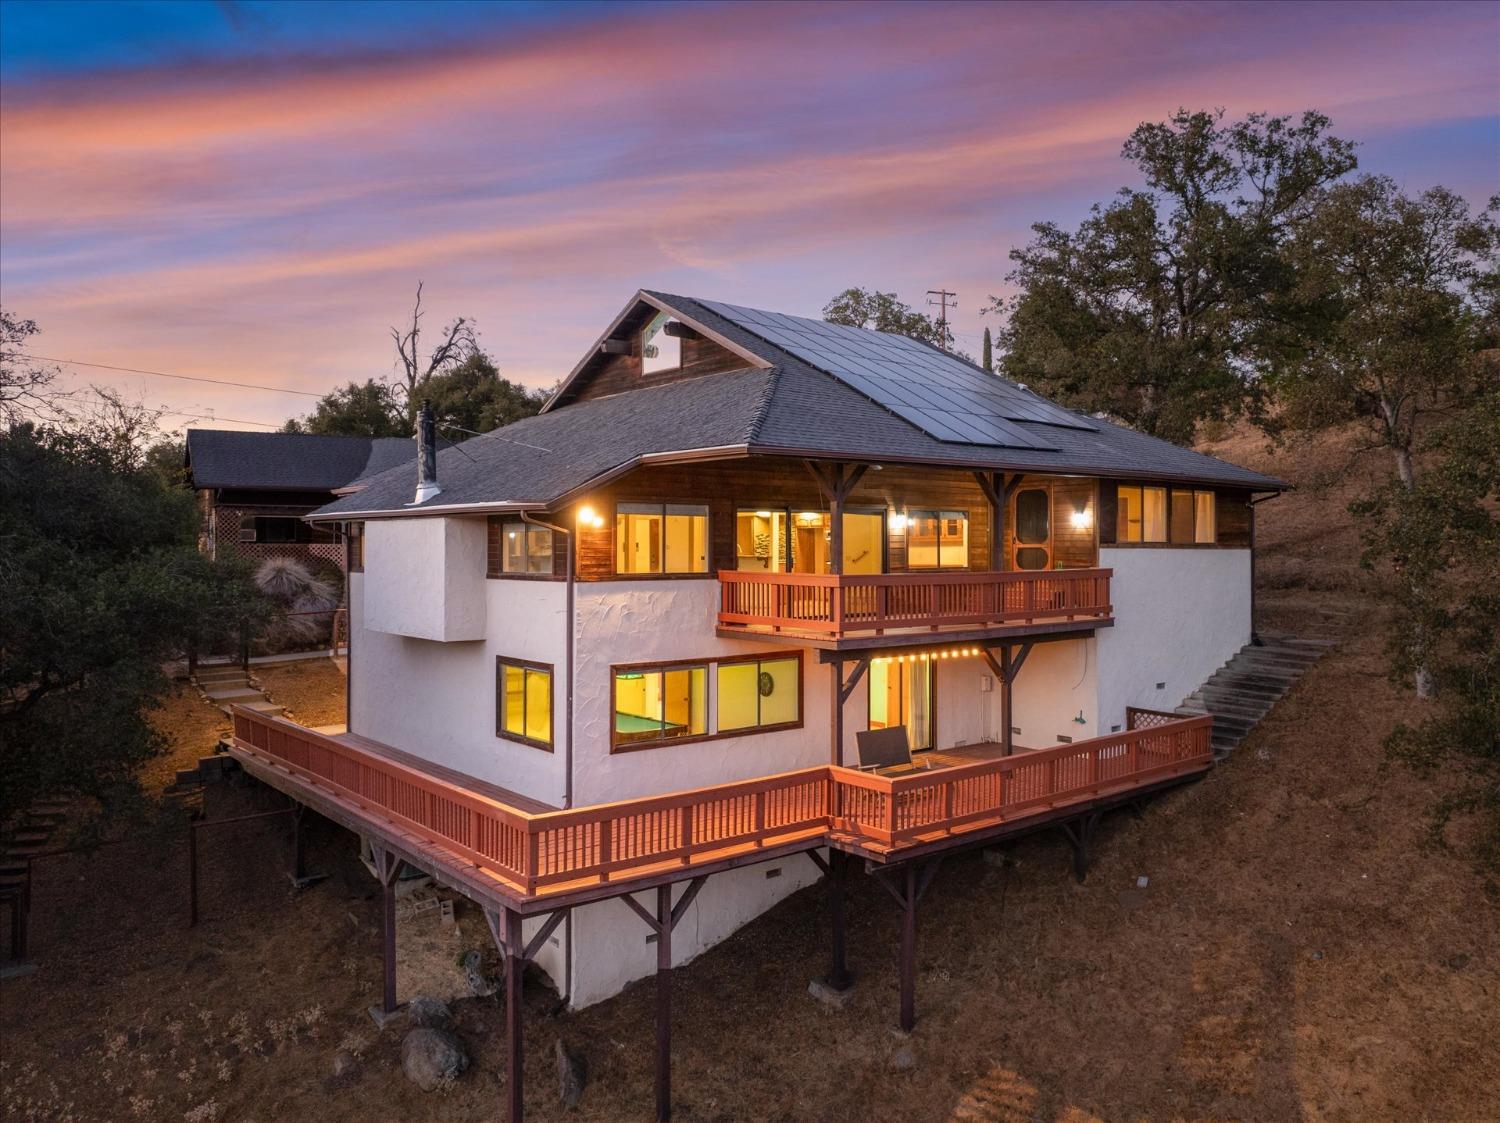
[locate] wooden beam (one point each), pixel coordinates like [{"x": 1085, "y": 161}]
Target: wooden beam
[
  {"x": 515, "y": 969},
  {"x": 664, "y": 923},
  {"x": 837, "y": 869},
  {"x": 909, "y": 952},
  {"x": 614, "y": 347}
]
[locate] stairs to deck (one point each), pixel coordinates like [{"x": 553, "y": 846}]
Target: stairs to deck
[
  {"x": 229, "y": 685},
  {"x": 1241, "y": 692}
]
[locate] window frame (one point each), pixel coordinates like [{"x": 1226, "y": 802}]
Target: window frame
[
  {"x": 711, "y": 666},
  {"x": 1166, "y": 527},
  {"x": 658, "y": 574},
  {"x": 504, "y": 521},
  {"x": 529, "y": 666},
  {"x": 1172, "y": 528}
]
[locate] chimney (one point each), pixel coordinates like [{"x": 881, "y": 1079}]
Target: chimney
[{"x": 427, "y": 484}]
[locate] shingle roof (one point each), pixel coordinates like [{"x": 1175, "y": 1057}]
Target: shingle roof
[
  {"x": 289, "y": 461},
  {"x": 788, "y": 406}
]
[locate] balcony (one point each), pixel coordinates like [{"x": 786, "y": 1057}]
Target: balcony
[{"x": 859, "y": 610}]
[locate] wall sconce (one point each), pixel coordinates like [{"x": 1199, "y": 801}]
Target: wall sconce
[
  {"x": 1080, "y": 719},
  {"x": 898, "y": 524},
  {"x": 1082, "y": 518},
  {"x": 587, "y": 517}
]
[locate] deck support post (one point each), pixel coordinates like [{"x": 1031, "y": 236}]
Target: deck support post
[
  {"x": 662, "y": 921},
  {"x": 505, "y": 928},
  {"x": 839, "y": 696},
  {"x": 387, "y": 869},
  {"x": 301, "y": 879},
  {"x": 915, "y": 877},
  {"x": 1079, "y": 832},
  {"x": 839, "y": 977}
]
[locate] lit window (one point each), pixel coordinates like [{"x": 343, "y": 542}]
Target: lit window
[
  {"x": 1206, "y": 529},
  {"x": 658, "y": 538},
  {"x": 655, "y": 706},
  {"x": 901, "y": 695},
  {"x": 525, "y": 702},
  {"x": 1141, "y": 514},
  {"x": 937, "y": 540},
  {"x": 660, "y": 351},
  {"x": 759, "y": 693},
  {"x": 525, "y": 548}
]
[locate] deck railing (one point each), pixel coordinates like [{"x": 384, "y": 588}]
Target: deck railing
[
  {"x": 838, "y": 604},
  {"x": 896, "y": 810},
  {"x": 551, "y": 850}
]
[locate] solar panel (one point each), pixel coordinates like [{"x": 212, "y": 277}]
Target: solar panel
[{"x": 944, "y": 396}]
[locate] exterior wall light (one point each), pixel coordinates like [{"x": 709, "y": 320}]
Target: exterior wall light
[
  {"x": 1082, "y": 518},
  {"x": 898, "y": 524},
  {"x": 588, "y": 517}
]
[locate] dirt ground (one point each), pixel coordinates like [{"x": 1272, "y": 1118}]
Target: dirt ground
[
  {"x": 1298, "y": 953},
  {"x": 312, "y": 690}
]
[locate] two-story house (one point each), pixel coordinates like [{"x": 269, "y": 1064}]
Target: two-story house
[{"x": 635, "y": 640}]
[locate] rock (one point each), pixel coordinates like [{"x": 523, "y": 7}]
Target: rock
[
  {"x": 425, "y": 1012},
  {"x": 903, "y": 1059},
  {"x": 472, "y": 963},
  {"x": 344, "y": 1063},
  {"x": 432, "y": 1057},
  {"x": 829, "y": 996},
  {"x": 572, "y": 1074},
  {"x": 1458, "y": 962}
]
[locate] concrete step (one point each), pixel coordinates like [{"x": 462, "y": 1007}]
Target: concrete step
[
  {"x": 233, "y": 693},
  {"x": 1295, "y": 660},
  {"x": 1215, "y": 703},
  {"x": 227, "y": 674},
  {"x": 262, "y": 707}
]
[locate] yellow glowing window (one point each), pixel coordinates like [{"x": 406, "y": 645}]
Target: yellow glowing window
[
  {"x": 661, "y": 538},
  {"x": 659, "y": 705},
  {"x": 525, "y": 702},
  {"x": 759, "y": 693},
  {"x": 1141, "y": 514}
]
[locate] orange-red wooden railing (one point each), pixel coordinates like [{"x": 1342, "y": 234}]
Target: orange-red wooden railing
[
  {"x": 550, "y": 850},
  {"x": 837, "y": 604},
  {"x": 906, "y": 808}
]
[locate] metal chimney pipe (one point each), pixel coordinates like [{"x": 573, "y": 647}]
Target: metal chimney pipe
[{"x": 427, "y": 481}]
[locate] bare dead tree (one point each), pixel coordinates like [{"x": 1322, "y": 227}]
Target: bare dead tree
[
  {"x": 457, "y": 342},
  {"x": 27, "y": 391}
]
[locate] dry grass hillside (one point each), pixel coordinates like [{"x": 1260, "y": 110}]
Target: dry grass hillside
[{"x": 1297, "y": 955}]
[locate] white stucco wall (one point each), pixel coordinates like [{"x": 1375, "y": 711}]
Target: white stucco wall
[
  {"x": 622, "y": 622},
  {"x": 609, "y": 940},
  {"x": 437, "y": 700},
  {"x": 1179, "y": 616},
  {"x": 1057, "y": 682},
  {"x": 424, "y": 578}
]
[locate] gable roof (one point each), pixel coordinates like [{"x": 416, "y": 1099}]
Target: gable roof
[
  {"x": 289, "y": 461},
  {"x": 781, "y": 403}
]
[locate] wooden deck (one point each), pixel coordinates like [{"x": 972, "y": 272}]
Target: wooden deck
[
  {"x": 855, "y": 609},
  {"x": 509, "y": 849}
]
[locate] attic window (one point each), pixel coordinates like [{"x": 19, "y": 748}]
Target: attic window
[{"x": 659, "y": 350}]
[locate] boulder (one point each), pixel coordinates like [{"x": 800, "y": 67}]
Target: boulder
[
  {"x": 432, "y": 1057},
  {"x": 425, "y": 1012},
  {"x": 572, "y": 1074}
]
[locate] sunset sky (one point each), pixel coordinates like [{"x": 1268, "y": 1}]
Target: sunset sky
[{"x": 250, "y": 191}]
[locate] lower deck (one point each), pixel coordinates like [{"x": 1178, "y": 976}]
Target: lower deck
[{"x": 511, "y": 852}]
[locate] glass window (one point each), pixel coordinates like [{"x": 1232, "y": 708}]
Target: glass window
[
  {"x": 525, "y": 702},
  {"x": 654, "y": 706},
  {"x": 758, "y": 693},
  {"x": 1141, "y": 514},
  {"x": 525, "y": 548},
  {"x": 937, "y": 540},
  {"x": 761, "y": 542},
  {"x": 901, "y": 695},
  {"x": 660, "y": 351},
  {"x": 661, "y": 538},
  {"x": 1206, "y": 528}
]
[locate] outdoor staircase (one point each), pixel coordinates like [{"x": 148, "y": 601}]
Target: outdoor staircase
[
  {"x": 29, "y": 835},
  {"x": 1243, "y": 690},
  {"x": 229, "y": 685}
]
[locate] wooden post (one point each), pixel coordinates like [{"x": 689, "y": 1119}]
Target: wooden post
[
  {"x": 909, "y": 951},
  {"x": 664, "y": 923},
  {"x": 838, "y": 969},
  {"x": 515, "y": 965},
  {"x": 836, "y": 716},
  {"x": 1007, "y": 737},
  {"x": 244, "y": 644},
  {"x": 388, "y": 945}
]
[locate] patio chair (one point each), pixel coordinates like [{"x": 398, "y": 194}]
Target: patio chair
[{"x": 885, "y": 750}]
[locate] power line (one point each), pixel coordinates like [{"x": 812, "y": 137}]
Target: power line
[
  {"x": 164, "y": 374},
  {"x": 189, "y": 414}
]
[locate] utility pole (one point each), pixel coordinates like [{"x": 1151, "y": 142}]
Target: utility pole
[{"x": 944, "y": 299}]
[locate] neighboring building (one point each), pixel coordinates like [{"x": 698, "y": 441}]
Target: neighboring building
[
  {"x": 254, "y": 488},
  {"x": 732, "y": 542}
]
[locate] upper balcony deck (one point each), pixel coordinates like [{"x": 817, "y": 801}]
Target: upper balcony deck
[
  {"x": 848, "y": 611},
  {"x": 519, "y": 855}
]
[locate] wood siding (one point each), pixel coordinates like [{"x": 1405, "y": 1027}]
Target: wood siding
[
  {"x": 614, "y": 374},
  {"x": 727, "y": 486}
]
